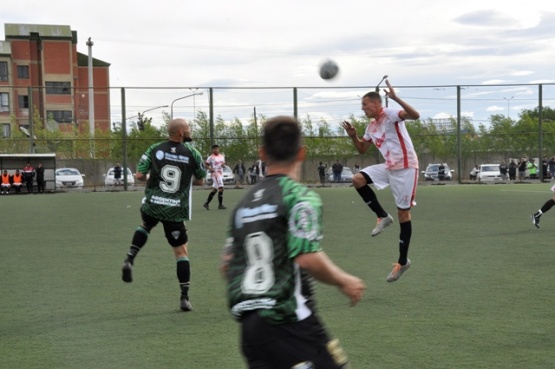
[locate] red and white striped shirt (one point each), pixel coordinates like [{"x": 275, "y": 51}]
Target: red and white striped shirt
[{"x": 389, "y": 133}]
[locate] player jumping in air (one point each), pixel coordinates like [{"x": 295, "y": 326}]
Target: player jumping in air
[{"x": 388, "y": 133}]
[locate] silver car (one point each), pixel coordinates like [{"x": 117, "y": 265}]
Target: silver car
[
  {"x": 229, "y": 177},
  {"x": 432, "y": 173},
  {"x": 346, "y": 175}
]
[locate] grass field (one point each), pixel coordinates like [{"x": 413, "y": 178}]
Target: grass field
[{"x": 479, "y": 294}]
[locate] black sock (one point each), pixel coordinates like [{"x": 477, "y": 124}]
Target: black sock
[
  {"x": 210, "y": 197},
  {"x": 139, "y": 240},
  {"x": 184, "y": 275},
  {"x": 369, "y": 197},
  {"x": 548, "y": 205},
  {"x": 220, "y": 197},
  {"x": 404, "y": 242}
]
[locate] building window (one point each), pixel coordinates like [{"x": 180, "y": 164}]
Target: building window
[
  {"x": 23, "y": 101},
  {"x": 6, "y": 131},
  {"x": 58, "y": 88},
  {"x": 23, "y": 71},
  {"x": 3, "y": 71},
  {"x": 4, "y": 102},
  {"x": 60, "y": 116}
]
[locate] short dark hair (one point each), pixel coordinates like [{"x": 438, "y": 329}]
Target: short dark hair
[
  {"x": 214, "y": 146},
  {"x": 281, "y": 138},
  {"x": 373, "y": 95}
]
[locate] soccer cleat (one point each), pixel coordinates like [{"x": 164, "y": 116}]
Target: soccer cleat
[
  {"x": 221, "y": 207},
  {"x": 126, "y": 275},
  {"x": 397, "y": 271},
  {"x": 206, "y": 206},
  {"x": 185, "y": 304},
  {"x": 381, "y": 224},
  {"x": 535, "y": 220}
]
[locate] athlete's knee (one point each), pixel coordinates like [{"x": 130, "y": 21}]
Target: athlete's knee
[
  {"x": 359, "y": 180},
  {"x": 403, "y": 215}
]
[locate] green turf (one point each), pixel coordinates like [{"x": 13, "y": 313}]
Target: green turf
[{"x": 479, "y": 294}]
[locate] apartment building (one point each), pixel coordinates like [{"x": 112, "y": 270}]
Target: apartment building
[{"x": 41, "y": 68}]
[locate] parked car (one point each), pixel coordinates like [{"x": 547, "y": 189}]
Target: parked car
[
  {"x": 69, "y": 178},
  {"x": 229, "y": 177},
  {"x": 109, "y": 177},
  {"x": 431, "y": 172},
  {"x": 489, "y": 172},
  {"x": 346, "y": 175}
]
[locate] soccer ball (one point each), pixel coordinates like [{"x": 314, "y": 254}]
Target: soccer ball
[{"x": 328, "y": 69}]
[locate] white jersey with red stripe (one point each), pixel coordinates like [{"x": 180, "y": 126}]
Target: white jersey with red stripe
[
  {"x": 389, "y": 133},
  {"x": 216, "y": 163}
]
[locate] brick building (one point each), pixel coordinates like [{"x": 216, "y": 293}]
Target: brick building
[{"x": 45, "y": 58}]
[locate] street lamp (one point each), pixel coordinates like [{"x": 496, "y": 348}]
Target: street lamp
[
  {"x": 180, "y": 98},
  {"x": 508, "y": 101},
  {"x": 140, "y": 115}
]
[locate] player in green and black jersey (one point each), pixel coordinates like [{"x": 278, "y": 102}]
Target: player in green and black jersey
[
  {"x": 169, "y": 168},
  {"x": 272, "y": 256}
]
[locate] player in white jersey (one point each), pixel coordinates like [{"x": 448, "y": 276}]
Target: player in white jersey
[
  {"x": 387, "y": 131},
  {"x": 215, "y": 164}
]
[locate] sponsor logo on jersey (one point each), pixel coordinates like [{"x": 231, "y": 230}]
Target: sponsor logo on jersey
[
  {"x": 247, "y": 215},
  {"x": 303, "y": 221},
  {"x": 160, "y": 155},
  {"x": 166, "y": 202}
]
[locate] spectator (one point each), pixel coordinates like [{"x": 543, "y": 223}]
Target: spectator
[
  {"x": 503, "y": 170},
  {"x": 28, "y": 174},
  {"x": 252, "y": 173},
  {"x": 544, "y": 174},
  {"x": 322, "y": 173},
  {"x": 522, "y": 165},
  {"x": 5, "y": 183},
  {"x": 551, "y": 165},
  {"x": 532, "y": 169},
  {"x": 117, "y": 175},
  {"x": 17, "y": 181},
  {"x": 441, "y": 172},
  {"x": 240, "y": 171},
  {"x": 260, "y": 169},
  {"x": 474, "y": 172},
  {"x": 337, "y": 168},
  {"x": 512, "y": 170},
  {"x": 40, "y": 178},
  {"x": 356, "y": 168}
]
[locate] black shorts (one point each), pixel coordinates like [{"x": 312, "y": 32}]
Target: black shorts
[
  {"x": 281, "y": 346},
  {"x": 175, "y": 232}
]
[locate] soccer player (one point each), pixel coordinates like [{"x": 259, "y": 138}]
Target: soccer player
[
  {"x": 548, "y": 205},
  {"x": 172, "y": 165},
  {"x": 387, "y": 131},
  {"x": 215, "y": 164},
  {"x": 271, "y": 257}
]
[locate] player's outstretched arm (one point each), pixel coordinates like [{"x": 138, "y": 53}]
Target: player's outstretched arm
[
  {"x": 320, "y": 266},
  {"x": 360, "y": 145},
  {"x": 408, "y": 111}
]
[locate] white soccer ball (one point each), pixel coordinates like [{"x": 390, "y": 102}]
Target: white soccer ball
[{"x": 329, "y": 69}]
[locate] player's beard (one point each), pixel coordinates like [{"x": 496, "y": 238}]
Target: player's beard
[{"x": 187, "y": 139}]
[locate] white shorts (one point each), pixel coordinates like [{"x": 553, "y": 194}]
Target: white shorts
[
  {"x": 553, "y": 188},
  {"x": 403, "y": 183},
  {"x": 217, "y": 180}
]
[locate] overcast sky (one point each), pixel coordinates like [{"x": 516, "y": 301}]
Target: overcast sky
[{"x": 190, "y": 44}]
